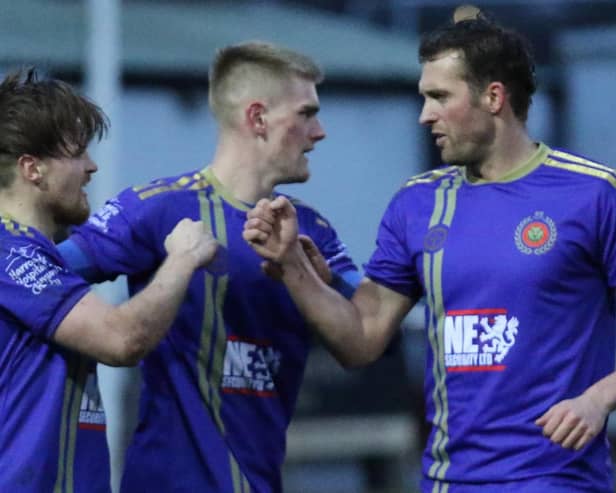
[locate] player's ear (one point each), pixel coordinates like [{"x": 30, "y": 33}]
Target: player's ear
[
  {"x": 495, "y": 97},
  {"x": 31, "y": 168},
  {"x": 256, "y": 118}
]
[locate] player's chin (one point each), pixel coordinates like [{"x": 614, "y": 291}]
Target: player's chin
[
  {"x": 300, "y": 176},
  {"x": 304, "y": 172},
  {"x": 447, "y": 156},
  {"x": 79, "y": 214}
]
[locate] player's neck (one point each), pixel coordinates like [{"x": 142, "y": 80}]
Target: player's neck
[
  {"x": 241, "y": 183},
  {"x": 17, "y": 207},
  {"x": 508, "y": 153},
  {"x": 241, "y": 176}
]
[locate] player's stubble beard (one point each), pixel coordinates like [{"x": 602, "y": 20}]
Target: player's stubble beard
[
  {"x": 296, "y": 172},
  {"x": 66, "y": 216}
]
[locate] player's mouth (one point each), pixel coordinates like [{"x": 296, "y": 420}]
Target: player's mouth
[
  {"x": 83, "y": 188},
  {"x": 306, "y": 151}
]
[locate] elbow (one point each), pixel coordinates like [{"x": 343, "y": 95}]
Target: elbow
[
  {"x": 122, "y": 359},
  {"x": 128, "y": 352},
  {"x": 350, "y": 364},
  {"x": 356, "y": 359},
  {"x": 132, "y": 353}
]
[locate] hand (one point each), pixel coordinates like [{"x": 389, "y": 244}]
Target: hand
[
  {"x": 271, "y": 228},
  {"x": 316, "y": 259},
  {"x": 191, "y": 239},
  {"x": 573, "y": 423},
  {"x": 274, "y": 270}
]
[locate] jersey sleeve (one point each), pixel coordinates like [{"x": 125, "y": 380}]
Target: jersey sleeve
[
  {"x": 36, "y": 289},
  {"x": 78, "y": 261},
  {"x": 607, "y": 233},
  {"x": 325, "y": 237},
  {"x": 116, "y": 240},
  {"x": 391, "y": 264}
]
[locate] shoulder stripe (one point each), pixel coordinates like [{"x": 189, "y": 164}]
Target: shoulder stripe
[
  {"x": 596, "y": 170},
  {"x": 432, "y": 175},
  {"x": 15, "y": 228},
  {"x": 195, "y": 181},
  {"x": 572, "y": 158}
]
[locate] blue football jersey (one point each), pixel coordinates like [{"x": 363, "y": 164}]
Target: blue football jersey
[
  {"x": 52, "y": 425},
  {"x": 518, "y": 277},
  {"x": 220, "y": 389}
]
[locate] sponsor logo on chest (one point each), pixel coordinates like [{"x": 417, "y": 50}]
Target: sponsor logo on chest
[
  {"x": 91, "y": 412},
  {"x": 250, "y": 367},
  {"x": 478, "y": 340}
]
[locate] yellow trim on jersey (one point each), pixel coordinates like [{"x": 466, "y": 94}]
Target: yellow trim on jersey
[
  {"x": 68, "y": 390},
  {"x": 518, "y": 172},
  {"x": 240, "y": 482},
  {"x": 81, "y": 377},
  {"x": 212, "y": 207},
  {"x": 200, "y": 183},
  {"x": 186, "y": 182},
  {"x": 219, "y": 347},
  {"x": 220, "y": 189},
  {"x": 580, "y": 160},
  {"x": 442, "y": 214},
  {"x": 587, "y": 168},
  {"x": 432, "y": 175},
  {"x": 15, "y": 228},
  {"x": 76, "y": 375},
  {"x": 440, "y": 487},
  {"x": 209, "y": 389}
]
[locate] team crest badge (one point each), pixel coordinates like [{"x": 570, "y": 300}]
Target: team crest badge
[
  {"x": 535, "y": 234},
  {"x": 435, "y": 239}
]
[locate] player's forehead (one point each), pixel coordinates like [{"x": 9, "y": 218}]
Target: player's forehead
[
  {"x": 442, "y": 70},
  {"x": 300, "y": 91}
]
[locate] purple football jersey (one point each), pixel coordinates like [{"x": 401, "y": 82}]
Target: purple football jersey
[
  {"x": 517, "y": 275},
  {"x": 220, "y": 389},
  {"x": 52, "y": 435}
]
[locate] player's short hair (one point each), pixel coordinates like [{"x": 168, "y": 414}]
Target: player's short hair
[
  {"x": 254, "y": 69},
  {"x": 45, "y": 118},
  {"x": 490, "y": 53}
]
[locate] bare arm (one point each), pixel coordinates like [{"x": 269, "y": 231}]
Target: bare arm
[
  {"x": 356, "y": 331},
  {"x": 121, "y": 335}
]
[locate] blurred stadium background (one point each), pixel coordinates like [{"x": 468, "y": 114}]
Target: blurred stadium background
[{"x": 145, "y": 63}]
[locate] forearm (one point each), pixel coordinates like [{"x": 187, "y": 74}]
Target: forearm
[
  {"x": 346, "y": 283},
  {"x": 335, "y": 319},
  {"x": 604, "y": 392},
  {"x": 356, "y": 331},
  {"x": 145, "y": 318}
]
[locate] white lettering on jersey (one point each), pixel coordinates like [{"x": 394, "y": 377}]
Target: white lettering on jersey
[
  {"x": 91, "y": 412},
  {"x": 32, "y": 270},
  {"x": 250, "y": 368},
  {"x": 102, "y": 216},
  {"x": 478, "y": 341}
]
